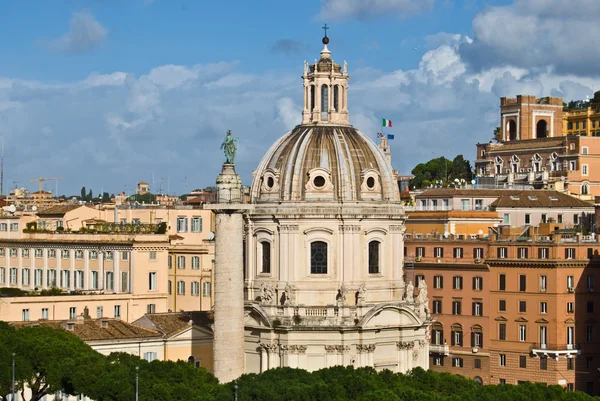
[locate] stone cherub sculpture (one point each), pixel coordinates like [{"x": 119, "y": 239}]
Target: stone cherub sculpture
[
  {"x": 290, "y": 299},
  {"x": 229, "y": 147},
  {"x": 410, "y": 291},
  {"x": 342, "y": 292},
  {"x": 361, "y": 295},
  {"x": 422, "y": 297},
  {"x": 266, "y": 293}
]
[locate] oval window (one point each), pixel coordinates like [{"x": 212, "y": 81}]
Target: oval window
[
  {"x": 371, "y": 182},
  {"x": 319, "y": 181},
  {"x": 270, "y": 182}
]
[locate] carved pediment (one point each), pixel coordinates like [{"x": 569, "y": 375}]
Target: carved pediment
[{"x": 501, "y": 319}]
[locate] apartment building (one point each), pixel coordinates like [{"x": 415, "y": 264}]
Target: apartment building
[
  {"x": 543, "y": 303},
  {"x": 57, "y": 276},
  {"x": 458, "y": 289},
  {"x": 188, "y": 267}
]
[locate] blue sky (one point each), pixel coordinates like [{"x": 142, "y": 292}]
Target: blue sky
[{"x": 107, "y": 93}]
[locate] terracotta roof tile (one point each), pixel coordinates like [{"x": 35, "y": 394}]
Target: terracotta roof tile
[
  {"x": 58, "y": 210},
  {"x": 533, "y": 199},
  {"x": 97, "y": 329},
  {"x": 453, "y": 192},
  {"x": 171, "y": 323}
]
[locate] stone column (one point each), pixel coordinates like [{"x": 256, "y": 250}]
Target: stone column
[
  {"x": 116, "y": 272},
  {"x": 86, "y": 269},
  {"x": 72, "y": 268},
  {"x": 228, "y": 342},
  {"x": 45, "y": 274},
  {"x": 101, "y": 270},
  {"x": 229, "y": 300}
]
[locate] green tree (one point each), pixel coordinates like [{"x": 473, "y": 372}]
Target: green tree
[
  {"x": 105, "y": 197},
  {"x": 83, "y": 194},
  {"x": 49, "y": 360},
  {"x": 144, "y": 198},
  {"x": 6, "y": 350},
  {"x": 90, "y": 196},
  {"x": 497, "y": 135}
]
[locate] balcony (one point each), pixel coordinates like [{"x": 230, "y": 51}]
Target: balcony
[
  {"x": 556, "y": 350},
  {"x": 442, "y": 349}
]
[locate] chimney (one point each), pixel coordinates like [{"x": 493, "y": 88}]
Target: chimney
[{"x": 86, "y": 313}]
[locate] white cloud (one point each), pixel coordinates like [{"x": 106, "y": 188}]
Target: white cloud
[
  {"x": 118, "y": 128},
  {"x": 537, "y": 34},
  {"x": 365, "y": 9},
  {"x": 85, "y": 34}
]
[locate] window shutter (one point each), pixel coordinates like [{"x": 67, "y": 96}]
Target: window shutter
[
  {"x": 474, "y": 282},
  {"x": 453, "y": 338},
  {"x": 473, "y": 312},
  {"x": 441, "y": 281}
]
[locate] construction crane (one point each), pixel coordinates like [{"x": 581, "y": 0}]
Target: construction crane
[{"x": 41, "y": 180}]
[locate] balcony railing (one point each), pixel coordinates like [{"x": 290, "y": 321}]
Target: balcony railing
[
  {"x": 443, "y": 349},
  {"x": 555, "y": 350},
  {"x": 430, "y": 208},
  {"x": 229, "y": 196}
]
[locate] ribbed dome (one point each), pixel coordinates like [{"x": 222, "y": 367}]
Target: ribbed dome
[{"x": 324, "y": 163}]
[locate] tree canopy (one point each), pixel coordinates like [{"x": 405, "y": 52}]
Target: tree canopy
[
  {"x": 50, "y": 360},
  {"x": 441, "y": 169}
]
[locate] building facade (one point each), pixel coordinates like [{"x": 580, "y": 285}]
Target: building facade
[
  {"x": 323, "y": 279},
  {"x": 535, "y": 150}
]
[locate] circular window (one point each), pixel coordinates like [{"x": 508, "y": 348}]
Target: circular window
[
  {"x": 319, "y": 181},
  {"x": 371, "y": 182},
  {"x": 270, "y": 182}
]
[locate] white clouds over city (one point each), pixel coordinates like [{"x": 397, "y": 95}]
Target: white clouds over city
[{"x": 119, "y": 127}]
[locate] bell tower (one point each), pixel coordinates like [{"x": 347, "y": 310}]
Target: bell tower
[{"x": 325, "y": 90}]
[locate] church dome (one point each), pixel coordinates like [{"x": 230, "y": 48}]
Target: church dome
[{"x": 324, "y": 163}]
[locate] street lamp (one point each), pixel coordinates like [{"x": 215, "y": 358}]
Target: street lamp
[
  {"x": 235, "y": 387},
  {"x": 137, "y": 380},
  {"x": 13, "y": 377}
]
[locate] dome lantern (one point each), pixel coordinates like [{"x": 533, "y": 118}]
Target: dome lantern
[{"x": 325, "y": 90}]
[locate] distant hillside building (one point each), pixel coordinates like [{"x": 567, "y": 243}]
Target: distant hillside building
[{"x": 142, "y": 188}]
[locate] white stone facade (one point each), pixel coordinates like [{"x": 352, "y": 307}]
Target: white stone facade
[{"x": 323, "y": 272}]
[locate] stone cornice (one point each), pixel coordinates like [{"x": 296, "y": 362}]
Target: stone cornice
[
  {"x": 450, "y": 266},
  {"x": 538, "y": 263}
]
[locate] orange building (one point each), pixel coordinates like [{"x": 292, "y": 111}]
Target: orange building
[
  {"x": 515, "y": 306},
  {"x": 458, "y": 289}
]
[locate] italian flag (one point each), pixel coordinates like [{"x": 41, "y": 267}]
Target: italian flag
[{"x": 386, "y": 123}]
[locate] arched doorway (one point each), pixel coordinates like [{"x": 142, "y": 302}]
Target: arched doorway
[
  {"x": 541, "y": 130},
  {"x": 512, "y": 130}
]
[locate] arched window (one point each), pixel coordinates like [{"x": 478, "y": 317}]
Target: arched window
[
  {"x": 541, "y": 129},
  {"x": 437, "y": 334},
  {"x": 585, "y": 189},
  {"x": 318, "y": 257},
  {"x": 265, "y": 248},
  {"x": 512, "y": 130},
  {"x": 191, "y": 359},
  {"x": 312, "y": 98},
  {"x": 324, "y": 102},
  {"x": 477, "y": 336},
  {"x": 336, "y": 97},
  {"x": 373, "y": 257},
  {"x": 457, "y": 335}
]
